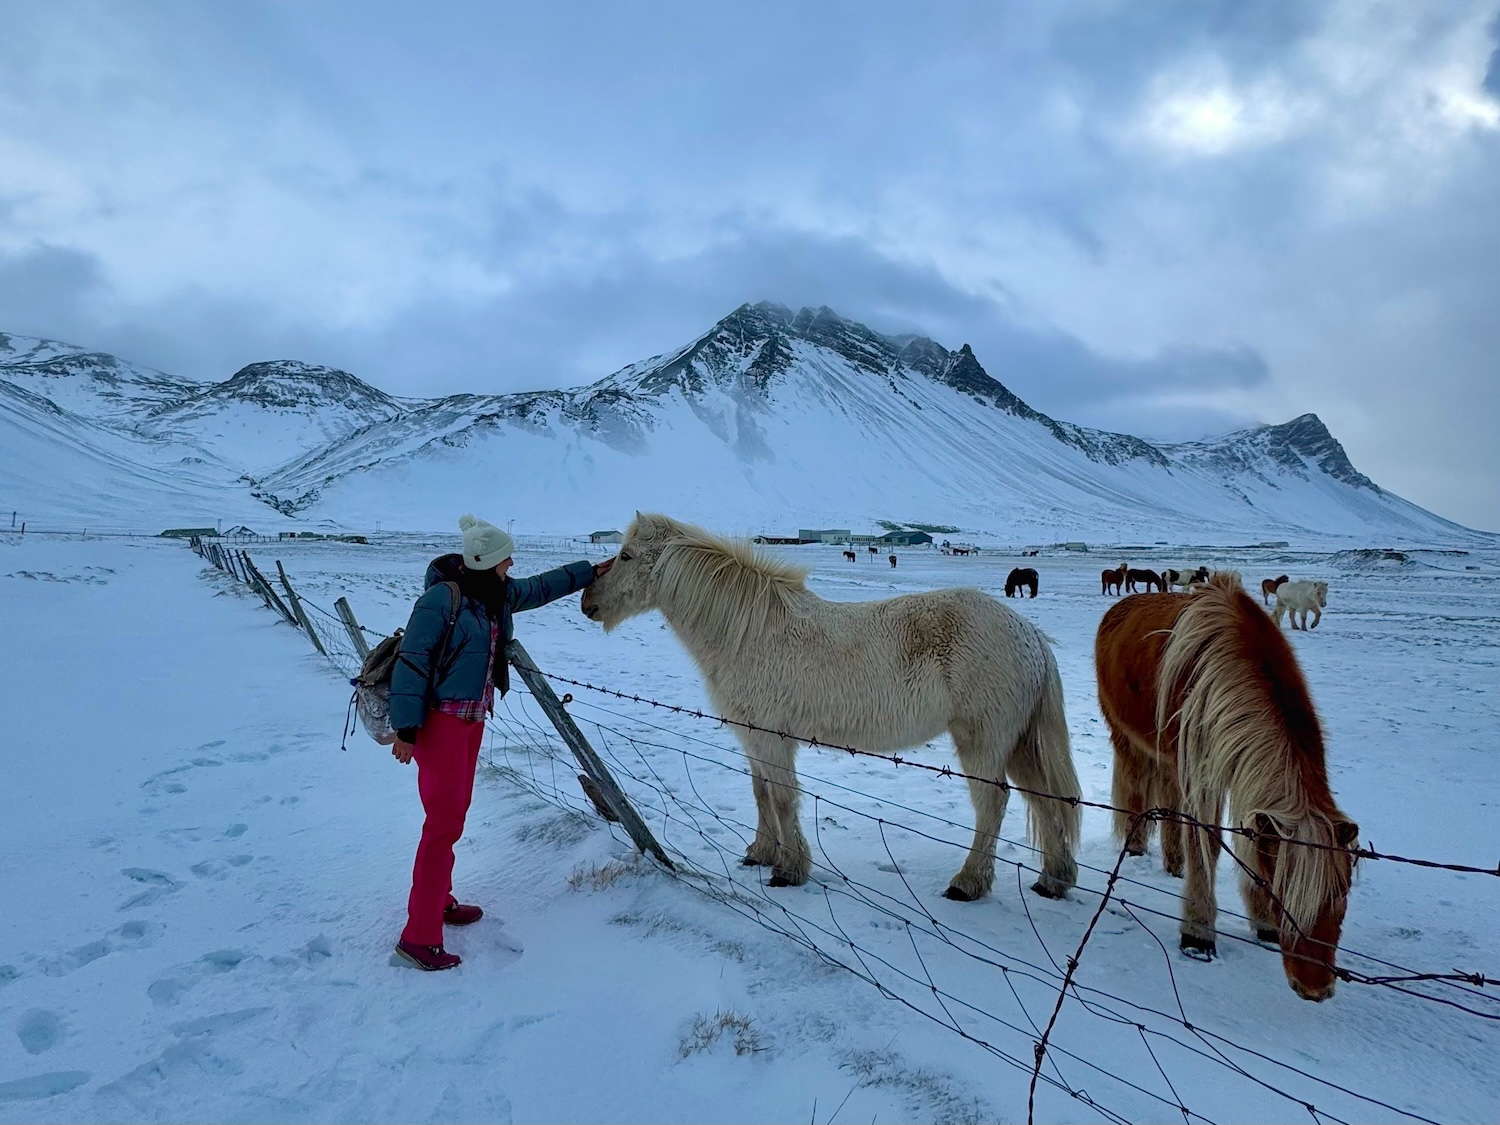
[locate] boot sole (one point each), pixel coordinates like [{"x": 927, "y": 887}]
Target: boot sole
[{"x": 409, "y": 959}]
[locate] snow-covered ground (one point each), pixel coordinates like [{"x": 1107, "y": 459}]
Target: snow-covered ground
[{"x": 203, "y": 891}]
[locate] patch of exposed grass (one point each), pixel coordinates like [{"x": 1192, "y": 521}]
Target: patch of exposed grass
[
  {"x": 598, "y": 877},
  {"x": 729, "y": 1026}
]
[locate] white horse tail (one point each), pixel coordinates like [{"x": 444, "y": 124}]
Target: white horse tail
[{"x": 1043, "y": 761}]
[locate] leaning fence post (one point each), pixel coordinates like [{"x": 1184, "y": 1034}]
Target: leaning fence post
[
  {"x": 300, "y": 612},
  {"x": 248, "y": 577},
  {"x": 593, "y": 766},
  {"x": 356, "y": 634},
  {"x": 272, "y": 598}
]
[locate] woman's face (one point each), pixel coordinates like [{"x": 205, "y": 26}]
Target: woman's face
[{"x": 502, "y": 569}]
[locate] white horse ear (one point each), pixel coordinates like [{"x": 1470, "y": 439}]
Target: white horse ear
[{"x": 644, "y": 528}]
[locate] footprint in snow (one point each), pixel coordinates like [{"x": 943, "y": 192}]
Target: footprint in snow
[
  {"x": 158, "y": 883},
  {"x": 165, "y": 991},
  {"x": 132, "y": 935},
  {"x": 40, "y": 1086},
  {"x": 196, "y": 1054},
  {"x": 39, "y": 1030}
]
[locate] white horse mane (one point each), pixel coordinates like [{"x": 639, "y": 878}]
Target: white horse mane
[
  {"x": 1233, "y": 740},
  {"x": 721, "y": 585}
]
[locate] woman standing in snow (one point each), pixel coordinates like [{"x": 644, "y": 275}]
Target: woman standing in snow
[{"x": 443, "y": 685}]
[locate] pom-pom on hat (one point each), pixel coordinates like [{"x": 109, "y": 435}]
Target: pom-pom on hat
[{"x": 485, "y": 545}]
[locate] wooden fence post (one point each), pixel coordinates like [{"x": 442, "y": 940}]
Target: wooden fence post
[
  {"x": 300, "y": 612},
  {"x": 272, "y": 598},
  {"x": 356, "y": 634},
  {"x": 594, "y": 768}
]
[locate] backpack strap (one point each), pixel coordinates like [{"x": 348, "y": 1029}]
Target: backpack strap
[{"x": 455, "y": 599}]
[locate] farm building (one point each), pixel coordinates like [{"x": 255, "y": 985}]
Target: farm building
[
  {"x": 824, "y": 535},
  {"x": 904, "y": 539},
  {"x": 606, "y": 537}
]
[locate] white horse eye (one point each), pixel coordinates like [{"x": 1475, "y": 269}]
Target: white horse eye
[{"x": 624, "y": 556}]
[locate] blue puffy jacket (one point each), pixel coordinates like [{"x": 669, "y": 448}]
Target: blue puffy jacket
[{"x": 461, "y": 665}]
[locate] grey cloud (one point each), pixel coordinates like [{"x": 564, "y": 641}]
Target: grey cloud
[
  {"x": 47, "y": 291},
  {"x": 570, "y": 329},
  {"x": 622, "y": 177},
  {"x": 1492, "y": 72}
]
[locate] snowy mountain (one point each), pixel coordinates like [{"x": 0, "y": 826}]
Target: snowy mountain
[{"x": 769, "y": 421}]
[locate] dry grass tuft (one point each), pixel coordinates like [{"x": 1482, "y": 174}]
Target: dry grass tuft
[{"x": 708, "y": 1030}]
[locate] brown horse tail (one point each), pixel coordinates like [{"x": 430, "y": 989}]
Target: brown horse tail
[{"x": 1043, "y": 762}]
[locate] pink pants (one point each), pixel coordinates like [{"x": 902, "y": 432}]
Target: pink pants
[{"x": 446, "y": 752}]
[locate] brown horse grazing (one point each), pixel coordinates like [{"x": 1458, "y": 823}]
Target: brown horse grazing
[
  {"x": 1018, "y": 579},
  {"x": 1205, "y": 702},
  {"x": 1148, "y": 577},
  {"x": 1268, "y": 586},
  {"x": 1112, "y": 578},
  {"x": 850, "y": 555}
]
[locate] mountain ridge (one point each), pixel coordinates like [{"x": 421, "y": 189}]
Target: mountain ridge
[{"x": 764, "y": 402}]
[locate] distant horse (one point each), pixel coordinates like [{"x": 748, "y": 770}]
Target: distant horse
[
  {"x": 961, "y": 550},
  {"x": 1021, "y": 576},
  {"x": 880, "y": 676},
  {"x": 893, "y": 560},
  {"x": 850, "y": 555},
  {"x": 1183, "y": 578},
  {"x": 1303, "y": 598},
  {"x": 1110, "y": 581},
  {"x": 1205, "y": 702},
  {"x": 1268, "y": 587},
  {"x": 874, "y": 550},
  {"x": 1149, "y": 577},
  {"x": 1031, "y": 554}
]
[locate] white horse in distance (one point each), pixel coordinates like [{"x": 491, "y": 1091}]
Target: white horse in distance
[
  {"x": 880, "y": 676},
  {"x": 1303, "y": 598}
]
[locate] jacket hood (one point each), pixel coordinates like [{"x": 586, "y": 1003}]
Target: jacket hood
[{"x": 445, "y": 568}]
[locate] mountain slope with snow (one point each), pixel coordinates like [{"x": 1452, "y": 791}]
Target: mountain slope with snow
[{"x": 768, "y": 421}]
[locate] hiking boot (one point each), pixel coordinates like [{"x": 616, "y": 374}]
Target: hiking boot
[
  {"x": 459, "y": 914},
  {"x": 430, "y": 958}
]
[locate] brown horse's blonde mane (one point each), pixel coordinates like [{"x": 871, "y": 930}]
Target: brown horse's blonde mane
[
  {"x": 723, "y": 587},
  {"x": 1247, "y": 728}
]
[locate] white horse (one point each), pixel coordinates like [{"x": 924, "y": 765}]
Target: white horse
[
  {"x": 1303, "y": 598},
  {"x": 881, "y": 676}
]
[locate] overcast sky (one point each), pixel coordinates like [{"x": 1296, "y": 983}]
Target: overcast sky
[{"x": 1171, "y": 219}]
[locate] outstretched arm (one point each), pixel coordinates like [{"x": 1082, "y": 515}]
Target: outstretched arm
[{"x": 539, "y": 589}]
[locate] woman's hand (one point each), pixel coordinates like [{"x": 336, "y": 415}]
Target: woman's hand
[{"x": 402, "y": 751}]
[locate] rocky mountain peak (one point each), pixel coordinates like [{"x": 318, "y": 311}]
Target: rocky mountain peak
[
  {"x": 290, "y": 384},
  {"x": 1307, "y": 436}
]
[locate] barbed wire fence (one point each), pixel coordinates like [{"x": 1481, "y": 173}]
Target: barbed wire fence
[{"x": 1039, "y": 1034}]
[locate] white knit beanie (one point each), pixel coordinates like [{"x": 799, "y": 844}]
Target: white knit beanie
[{"x": 485, "y": 545}]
